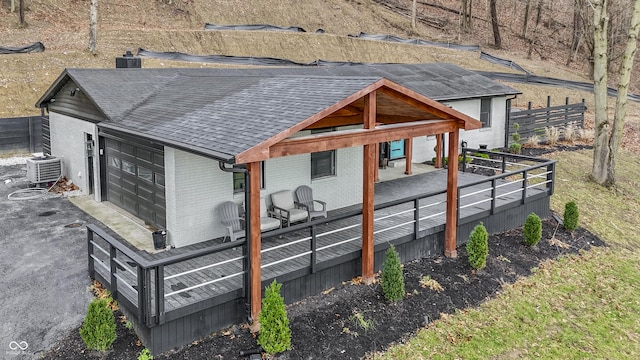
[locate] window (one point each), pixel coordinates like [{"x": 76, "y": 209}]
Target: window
[
  {"x": 323, "y": 163},
  {"x": 485, "y": 112},
  {"x": 238, "y": 179},
  {"x": 128, "y": 167}
]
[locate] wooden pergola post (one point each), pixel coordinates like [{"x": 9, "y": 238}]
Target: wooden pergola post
[
  {"x": 376, "y": 172},
  {"x": 408, "y": 151},
  {"x": 452, "y": 197},
  {"x": 368, "y": 182},
  {"x": 438, "y": 163},
  {"x": 254, "y": 240}
]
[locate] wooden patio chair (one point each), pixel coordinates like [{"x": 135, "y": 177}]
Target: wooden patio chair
[
  {"x": 229, "y": 213},
  {"x": 316, "y": 208},
  {"x": 287, "y": 210}
]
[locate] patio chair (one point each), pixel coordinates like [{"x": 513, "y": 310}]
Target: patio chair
[
  {"x": 316, "y": 208},
  {"x": 286, "y": 209},
  {"x": 268, "y": 222},
  {"x": 229, "y": 213}
]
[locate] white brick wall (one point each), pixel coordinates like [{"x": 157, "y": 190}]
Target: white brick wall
[
  {"x": 68, "y": 137},
  {"x": 493, "y": 136}
]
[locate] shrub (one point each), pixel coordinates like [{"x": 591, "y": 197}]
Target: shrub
[
  {"x": 533, "y": 140},
  {"x": 532, "y": 230},
  {"x": 516, "y": 136},
  {"x": 571, "y": 215},
  {"x": 392, "y": 281},
  {"x": 515, "y": 148},
  {"x": 145, "y": 354},
  {"x": 481, "y": 155},
  {"x": 478, "y": 247},
  {"x": 569, "y": 133},
  {"x": 275, "y": 334},
  {"x": 98, "y": 330}
]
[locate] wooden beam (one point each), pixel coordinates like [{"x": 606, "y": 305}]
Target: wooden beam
[
  {"x": 357, "y": 137},
  {"x": 452, "y": 197},
  {"x": 368, "y": 185},
  {"x": 408, "y": 153},
  {"x": 439, "y": 138},
  {"x": 376, "y": 173},
  {"x": 255, "y": 239}
]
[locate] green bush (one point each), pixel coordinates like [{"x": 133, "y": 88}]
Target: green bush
[
  {"x": 532, "y": 230},
  {"x": 145, "y": 354},
  {"x": 515, "y": 148},
  {"x": 478, "y": 247},
  {"x": 275, "y": 334},
  {"x": 392, "y": 281},
  {"x": 481, "y": 155},
  {"x": 571, "y": 215},
  {"x": 98, "y": 330}
]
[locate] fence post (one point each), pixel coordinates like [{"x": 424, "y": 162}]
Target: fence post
[
  {"x": 90, "y": 249},
  {"x": 464, "y": 159},
  {"x": 160, "y": 294},
  {"x": 504, "y": 163},
  {"x": 141, "y": 293},
  {"x": 314, "y": 255},
  {"x": 524, "y": 187},
  {"x": 31, "y": 144},
  {"x": 114, "y": 268},
  {"x": 416, "y": 218},
  {"x": 566, "y": 110},
  {"x": 493, "y": 196},
  {"x": 246, "y": 280},
  {"x": 584, "y": 107},
  {"x": 147, "y": 299},
  {"x": 551, "y": 169},
  {"x": 548, "y": 106}
]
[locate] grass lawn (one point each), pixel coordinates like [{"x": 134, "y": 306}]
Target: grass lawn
[{"x": 577, "y": 307}]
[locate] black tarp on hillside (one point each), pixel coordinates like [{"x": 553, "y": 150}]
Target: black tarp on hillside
[
  {"x": 394, "y": 38},
  {"x": 35, "y": 47},
  {"x": 261, "y": 27}
]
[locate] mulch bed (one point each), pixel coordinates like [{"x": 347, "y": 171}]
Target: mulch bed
[{"x": 324, "y": 326}]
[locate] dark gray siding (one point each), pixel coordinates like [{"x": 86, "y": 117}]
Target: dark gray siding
[
  {"x": 20, "y": 135},
  {"x": 73, "y": 102}
]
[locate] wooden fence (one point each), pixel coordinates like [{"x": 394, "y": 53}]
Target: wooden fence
[
  {"x": 21, "y": 135},
  {"x": 534, "y": 121}
]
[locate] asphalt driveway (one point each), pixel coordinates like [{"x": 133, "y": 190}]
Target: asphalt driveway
[{"x": 43, "y": 269}]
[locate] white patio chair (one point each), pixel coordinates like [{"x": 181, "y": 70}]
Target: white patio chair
[
  {"x": 286, "y": 209},
  {"x": 268, "y": 222},
  {"x": 316, "y": 208},
  {"x": 229, "y": 213}
]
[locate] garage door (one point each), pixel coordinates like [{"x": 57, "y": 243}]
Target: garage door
[{"x": 135, "y": 180}]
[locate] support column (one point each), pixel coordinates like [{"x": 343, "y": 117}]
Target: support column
[
  {"x": 254, "y": 239},
  {"x": 368, "y": 181},
  {"x": 452, "y": 197},
  {"x": 376, "y": 172},
  {"x": 438, "y": 163},
  {"x": 408, "y": 153}
]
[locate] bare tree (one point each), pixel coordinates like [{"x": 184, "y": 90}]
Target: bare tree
[
  {"x": 465, "y": 16},
  {"x": 413, "y": 14},
  {"x": 22, "y": 23},
  {"x": 608, "y": 134},
  {"x": 93, "y": 25},
  {"x": 497, "y": 40},
  {"x": 527, "y": 9},
  {"x": 578, "y": 31}
]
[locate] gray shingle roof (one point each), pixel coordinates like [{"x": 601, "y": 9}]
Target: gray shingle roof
[{"x": 222, "y": 112}]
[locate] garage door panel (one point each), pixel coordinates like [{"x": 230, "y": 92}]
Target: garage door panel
[{"x": 135, "y": 180}]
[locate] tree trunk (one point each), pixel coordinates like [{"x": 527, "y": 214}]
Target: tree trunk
[
  {"x": 413, "y": 14},
  {"x": 602, "y": 125},
  {"x": 13, "y": 6},
  {"x": 539, "y": 12},
  {"x": 626, "y": 65},
  {"x": 93, "y": 25},
  {"x": 22, "y": 23},
  {"x": 578, "y": 31},
  {"x": 497, "y": 40},
  {"x": 465, "y": 16},
  {"x": 526, "y": 19}
]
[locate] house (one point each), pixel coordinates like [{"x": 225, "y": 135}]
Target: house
[
  {"x": 149, "y": 140},
  {"x": 171, "y": 145}
]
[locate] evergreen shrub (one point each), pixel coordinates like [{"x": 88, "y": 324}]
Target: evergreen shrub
[
  {"x": 275, "y": 334},
  {"x": 571, "y": 216},
  {"x": 478, "y": 247},
  {"x": 98, "y": 330},
  {"x": 532, "y": 230},
  {"x": 392, "y": 281}
]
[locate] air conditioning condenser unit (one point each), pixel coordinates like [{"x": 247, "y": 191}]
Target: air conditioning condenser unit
[{"x": 43, "y": 169}]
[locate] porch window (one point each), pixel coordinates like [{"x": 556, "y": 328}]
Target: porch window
[
  {"x": 323, "y": 163},
  {"x": 238, "y": 180},
  {"x": 485, "y": 112}
]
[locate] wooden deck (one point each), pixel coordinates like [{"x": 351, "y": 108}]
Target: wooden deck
[{"x": 203, "y": 287}]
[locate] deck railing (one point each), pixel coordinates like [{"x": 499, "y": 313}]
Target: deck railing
[{"x": 139, "y": 283}]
